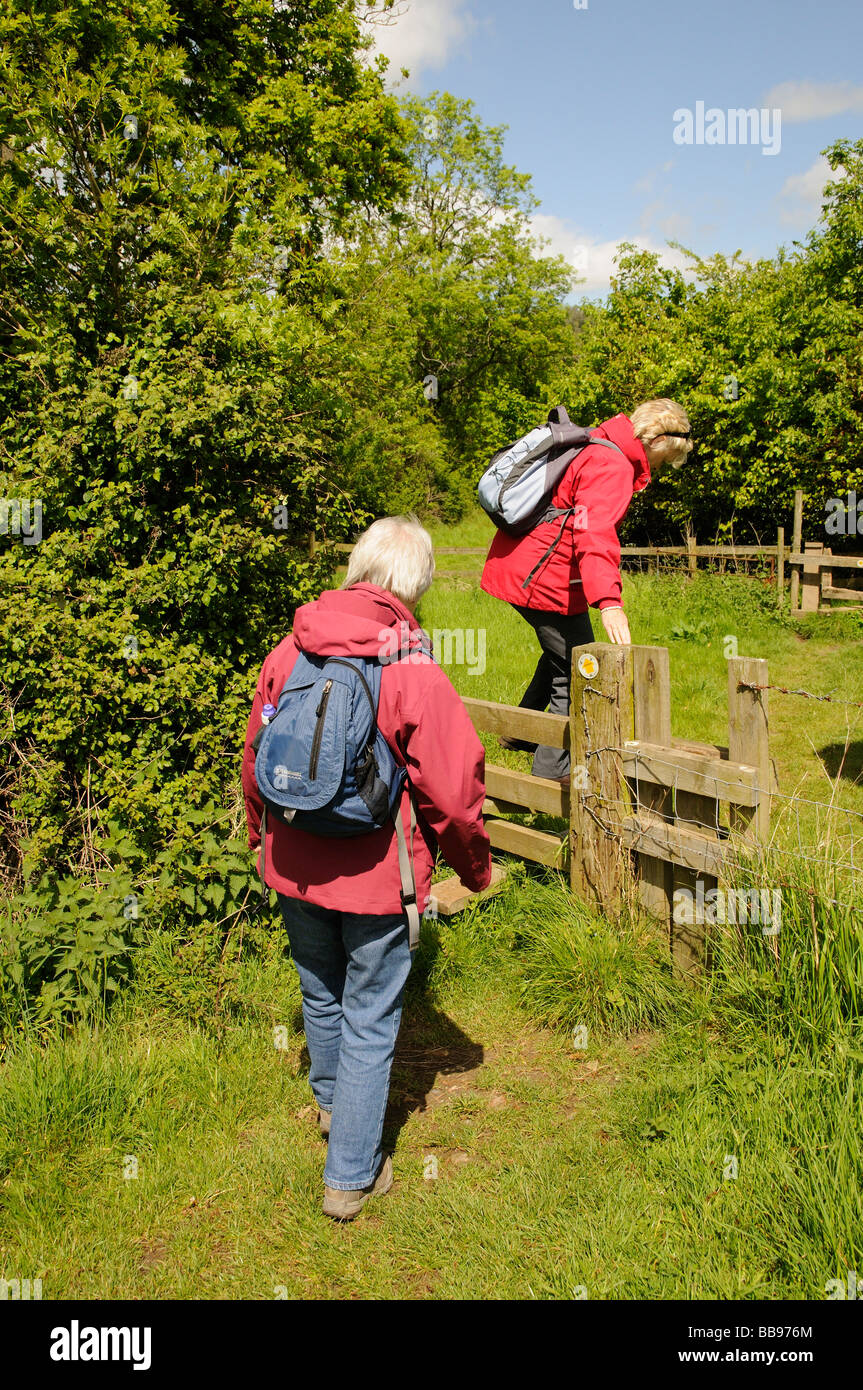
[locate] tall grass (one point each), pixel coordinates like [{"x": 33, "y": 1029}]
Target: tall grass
[
  {"x": 804, "y": 985},
  {"x": 580, "y": 969}
]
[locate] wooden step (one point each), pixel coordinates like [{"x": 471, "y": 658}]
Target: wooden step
[{"x": 450, "y": 895}]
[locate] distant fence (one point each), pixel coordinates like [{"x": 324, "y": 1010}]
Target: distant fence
[
  {"x": 679, "y": 807},
  {"x": 811, "y": 564}
]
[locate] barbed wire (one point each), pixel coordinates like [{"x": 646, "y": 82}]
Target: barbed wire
[{"x": 807, "y": 694}]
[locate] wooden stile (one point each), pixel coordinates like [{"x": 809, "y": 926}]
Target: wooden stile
[
  {"x": 638, "y": 795},
  {"x": 796, "y": 545}
]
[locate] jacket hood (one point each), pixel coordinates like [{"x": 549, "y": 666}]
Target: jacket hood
[
  {"x": 619, "y": 430},
  {"x": 363, "y": 620}
]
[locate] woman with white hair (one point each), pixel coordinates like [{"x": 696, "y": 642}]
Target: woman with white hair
[
  {"x": 342, "y": 898},
  {"x": 553, "y": 584}
]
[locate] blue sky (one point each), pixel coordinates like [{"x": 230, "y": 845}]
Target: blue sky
[{"x": 589, "y": 96}]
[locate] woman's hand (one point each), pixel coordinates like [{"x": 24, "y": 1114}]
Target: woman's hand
[{"x": 616, "y": 626}]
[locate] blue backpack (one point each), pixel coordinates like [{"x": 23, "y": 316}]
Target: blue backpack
[{"x": 323, "y": 765}]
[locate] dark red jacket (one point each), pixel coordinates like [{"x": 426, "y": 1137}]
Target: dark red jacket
[
  {"x": 429, "y": 731},
  {"x": 584, "y": 568}
]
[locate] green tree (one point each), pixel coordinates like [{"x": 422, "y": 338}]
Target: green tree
[
  {"x": 765, "y": 356},
  {"x": 172, "y": 362},
  {"x": 485, "y": 307}
]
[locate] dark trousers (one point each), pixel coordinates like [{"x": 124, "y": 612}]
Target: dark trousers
[{"x": 549, "y": 689}]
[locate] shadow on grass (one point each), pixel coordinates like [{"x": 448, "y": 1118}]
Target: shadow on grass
[{"x": 842, "y": 761}]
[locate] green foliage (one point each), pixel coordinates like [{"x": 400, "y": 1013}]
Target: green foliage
[
  {"x": 484, "y": 308},
  {"x": 170, "y": 371},
  {"x": 65, "y": 947},
  {"x": 787, "y": 330},
  {"x": 69, "y": 943},
  {"x": 212, "y": 347},
  {"x": 808, "y": 994},
  {"x": 228, "y": 257}
]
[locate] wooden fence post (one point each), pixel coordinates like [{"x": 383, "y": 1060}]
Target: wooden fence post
[
  {"x": 826, "y": 577},
  {"x": 810, "y": 596},
  {"x": 692, "y": 557},
  {"x": 601, "y": 720},
  {"x": 651, "y": 691},
  {"x": 749, "y": 742},
  {"x": 796, "y": 547},
  {"x": 780, "y": 566}
]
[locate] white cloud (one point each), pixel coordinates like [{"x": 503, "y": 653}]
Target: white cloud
[
  {"x": 800, "y": 196},
  {"x": 812, "y": 101},
  {"x": 594, "y": 260},
  {"x": 421, "y": 34},
  {"x": 674, "y": 226},
  {"x": 647, "y": 183}
]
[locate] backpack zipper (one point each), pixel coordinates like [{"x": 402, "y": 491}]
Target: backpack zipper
[{"x": 320, "y": 713}]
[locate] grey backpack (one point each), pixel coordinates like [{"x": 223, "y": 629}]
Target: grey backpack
[{"x": 517, "y": 487}]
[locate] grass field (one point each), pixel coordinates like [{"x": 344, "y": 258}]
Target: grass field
[{"x": 704, "y": 1145}]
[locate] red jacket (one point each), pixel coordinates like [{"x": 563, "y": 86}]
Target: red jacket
[
  {"x": 584, "y": 568},
  {"x": 429, "y": 731}
]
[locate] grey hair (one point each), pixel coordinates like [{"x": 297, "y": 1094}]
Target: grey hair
[{"x": 396, "y": 554}]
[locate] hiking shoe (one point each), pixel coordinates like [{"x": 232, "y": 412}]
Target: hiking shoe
[
  {"x": 517, "y": 745},
  {"x": 344, "y": 1206},
  {"x": 324, "y": 1120}
]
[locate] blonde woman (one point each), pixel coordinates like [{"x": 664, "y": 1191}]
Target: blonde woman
[{"x": 554, "y": 586}]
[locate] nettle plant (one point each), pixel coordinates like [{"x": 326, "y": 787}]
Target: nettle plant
[{"x": 69, "y": 944}]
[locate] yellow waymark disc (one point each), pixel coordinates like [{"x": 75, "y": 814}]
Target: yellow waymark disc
[{"x": 587, "y": 666}]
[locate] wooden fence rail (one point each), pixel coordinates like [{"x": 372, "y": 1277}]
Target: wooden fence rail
[{"x": 639, "y": 799}]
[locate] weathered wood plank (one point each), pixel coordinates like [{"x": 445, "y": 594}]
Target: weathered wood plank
[
  {"x": 535, "y": 845},
  {"x": 450, "y": 895},
  {"x": 810, "y": 593},
  {"x": 704, "y": 552},
  {"x": 796, "y": 544},
  {"x": 648, "y": 833},
  {"x": 526, "y": 792},
  {"x": 511, "y": 721},
  {"x": 651, "y": 692},
  {"x": 493, "y": 806},
  {"x": 691, "y": 772},
  {"x": 748, "y": 740},
  {"x": 831, "y": 591},
  {"x": 692, "y": 745},
  {"x": 601, "y": 720},
  {"x": 834, "y": 562}
]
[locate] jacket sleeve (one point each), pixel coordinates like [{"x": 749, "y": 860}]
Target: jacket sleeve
[
  {"x": 274, "y": 673},
  {"x": 251, "y": 795},
  {"x": 446, "y": 766},
  {"x": 600, "y": 489}
]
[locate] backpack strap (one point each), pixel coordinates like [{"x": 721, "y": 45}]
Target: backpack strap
[
  {"x": 541, "y": 561},
  {"x": 406, "y": 872},
  {"x": 555, "y": 512}
]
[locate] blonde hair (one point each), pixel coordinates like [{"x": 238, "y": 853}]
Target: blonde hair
[
  {"x": 396, "y": 554},
  {"x": 653, "y": 418}
]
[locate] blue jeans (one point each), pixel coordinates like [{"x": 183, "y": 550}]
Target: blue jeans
[{"x": 352, "y": 968}]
